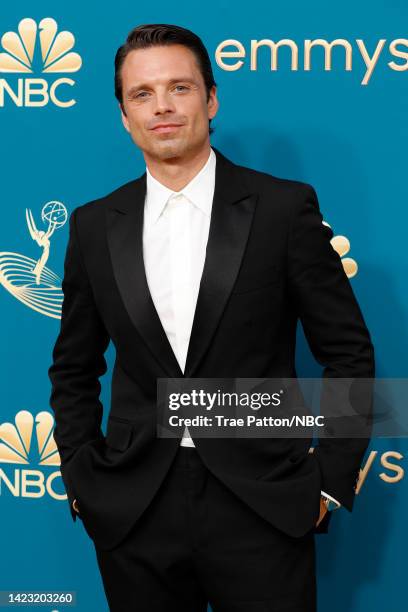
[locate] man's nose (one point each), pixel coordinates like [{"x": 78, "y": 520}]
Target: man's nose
[{"x": 163, "y": 103}]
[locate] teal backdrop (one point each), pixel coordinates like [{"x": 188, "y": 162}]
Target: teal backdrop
[{"x": 324, "y": 127}]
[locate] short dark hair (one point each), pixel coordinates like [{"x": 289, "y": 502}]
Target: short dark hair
[{"x": 162, "y": 34}]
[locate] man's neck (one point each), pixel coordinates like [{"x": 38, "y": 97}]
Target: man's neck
[{"x": 176, "y": 173}]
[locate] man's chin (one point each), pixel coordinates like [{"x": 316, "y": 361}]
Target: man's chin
[{"x": 169, "y": 148}]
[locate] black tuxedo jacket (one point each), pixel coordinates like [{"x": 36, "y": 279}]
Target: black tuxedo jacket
[{"x": 269, "y": 262}]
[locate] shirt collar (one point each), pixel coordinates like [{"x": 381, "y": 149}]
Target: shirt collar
[{"x": 200, "y": 191}]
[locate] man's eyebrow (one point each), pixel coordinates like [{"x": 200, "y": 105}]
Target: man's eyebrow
[{"x": 136, "y": 88}]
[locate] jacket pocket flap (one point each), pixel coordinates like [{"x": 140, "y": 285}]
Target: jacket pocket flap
[{"x": 118, "y": 434}]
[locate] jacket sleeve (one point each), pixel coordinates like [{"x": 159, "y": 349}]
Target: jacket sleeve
[
  {"x": 77, "y": 363},
  {"x": 336, "y": 332}
]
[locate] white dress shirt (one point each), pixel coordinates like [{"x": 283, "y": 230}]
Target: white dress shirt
[{"x": 175, "y": 235}]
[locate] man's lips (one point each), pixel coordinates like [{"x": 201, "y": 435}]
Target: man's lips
[{"x": 166, "y": 127}]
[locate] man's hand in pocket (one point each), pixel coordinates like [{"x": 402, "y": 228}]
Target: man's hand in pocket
[{"x": 323, "y": 510}]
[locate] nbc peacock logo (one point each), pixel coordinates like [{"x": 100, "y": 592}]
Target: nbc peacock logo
[
  {"x": 38, "y": 48},
  {"x": 29, "y": 443},
  {"x": 341, "y": 245}
]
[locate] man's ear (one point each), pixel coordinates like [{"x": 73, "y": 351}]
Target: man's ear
[
  {"x": 212, "y": 103},
  {"x": 124, "y": 118}
]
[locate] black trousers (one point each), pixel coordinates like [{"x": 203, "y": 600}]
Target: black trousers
[{"x": 197, "y": 543}]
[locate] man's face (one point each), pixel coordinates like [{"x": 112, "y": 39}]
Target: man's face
[{"x": 163, "y": 85}]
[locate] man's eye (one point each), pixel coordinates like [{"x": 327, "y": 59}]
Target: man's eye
[{"x": 144, "y": 94}]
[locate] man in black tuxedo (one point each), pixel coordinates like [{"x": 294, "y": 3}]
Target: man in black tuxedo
[{"x": 198, "y": 268}]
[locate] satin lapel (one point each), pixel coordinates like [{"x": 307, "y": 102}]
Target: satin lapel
[
  {"x": 125, "y": 238},
  {"x": 231, "y": 218}
]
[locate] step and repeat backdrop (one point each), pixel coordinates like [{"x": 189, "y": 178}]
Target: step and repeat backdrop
[{"x": 312, "y": 91}]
